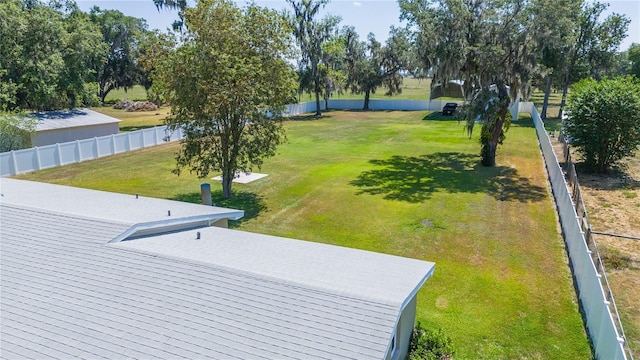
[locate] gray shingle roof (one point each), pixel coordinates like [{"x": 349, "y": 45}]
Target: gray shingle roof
[
  {"x": 68, "y": 292},
  {"x": 51, "y": 120}
]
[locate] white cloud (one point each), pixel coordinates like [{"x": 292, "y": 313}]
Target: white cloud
[{"x": 357, "y": 3}]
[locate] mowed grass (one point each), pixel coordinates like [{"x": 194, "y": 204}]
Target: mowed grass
[
  {"x": 555, "y": 99},
  {"x": 136, "y": 93},
  {"x": 135, "y": 120},
  {"x": 132, "y": 120},
  {"x": 412, "y": 89},
  {"x": 408, "y": 184}
]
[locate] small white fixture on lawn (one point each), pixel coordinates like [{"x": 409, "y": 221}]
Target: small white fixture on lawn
[{"x": 243, "y": 178}]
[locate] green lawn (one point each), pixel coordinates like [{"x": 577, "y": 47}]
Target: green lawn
[
  {"x": 409, "y": 184},
  {"x": 136, "y": 93},
  {"x": 135, "y": 120},
  {"x": 412, "y": 89},
  {"x": 555, "y": 98}
]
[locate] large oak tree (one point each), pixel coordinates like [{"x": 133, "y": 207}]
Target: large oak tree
[
  {"x": 228, "y": 84},
  {"x": 371, "y": 65},
  {"x": 486, "y": 44},
  {"x": 122, "y": 34}
]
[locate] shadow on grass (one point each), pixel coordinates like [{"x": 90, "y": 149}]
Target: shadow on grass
[
  {"x": 135, "y": 128},
  {"x": 251, "y": 203},
  {"x": 415, "y": 179},
  {"x": 618, "y": 178},
  {"x": 437, "y": 116}
]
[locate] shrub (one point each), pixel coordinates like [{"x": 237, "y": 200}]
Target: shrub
[
  {"x": 428, "y": 344},
  {"x": 604, "y": 122},
  {"x": 15, "y": 131}
]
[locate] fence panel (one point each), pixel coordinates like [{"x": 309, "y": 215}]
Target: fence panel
[
  {"x": 120, "y": 143},
  {"x": 136, "y": 140},
  {"x": 149, "y": 137},
  {"x": 25, "y": 160},
  {"x": 6, "y": 164},
  {"x": 88, "y": 149},
  {"x": 105, "y": 146},
  {"x": 48, "y": 156},
  {"x": 68, "y": 153}
]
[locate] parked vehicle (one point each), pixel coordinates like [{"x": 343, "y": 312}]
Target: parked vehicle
[{"x": 449, "y": 109}]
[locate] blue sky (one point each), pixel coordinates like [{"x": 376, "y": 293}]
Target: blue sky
[{"x": 366, "y": 16}]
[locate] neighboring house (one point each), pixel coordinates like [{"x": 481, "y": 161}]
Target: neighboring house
[
  {"x": 71, "y": 125},
  {"x": 88, "y": 274}
]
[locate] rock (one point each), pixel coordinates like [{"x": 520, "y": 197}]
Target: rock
[
  {"x": 142, "y": 106},
  {"x": 123, "y": 104}
]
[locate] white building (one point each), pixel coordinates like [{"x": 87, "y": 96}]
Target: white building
[
  {"x": 90, "y": 274},
  {"x": 57, "y": 127}
]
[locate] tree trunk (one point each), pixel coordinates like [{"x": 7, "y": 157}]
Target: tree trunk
[
  {"x": 316, "y": 88},
  {"x": 102, "y": 95},
  {"x": 366, "y": 100},
  {"x": 318, "y": 112},
  {"x": 489, "y": 148},
  {"x": 545, "y": 104},
  {"x": 565, "y": 89},
  {"x": 489, "y": 154},
  {"x": 227, "y": 180}
]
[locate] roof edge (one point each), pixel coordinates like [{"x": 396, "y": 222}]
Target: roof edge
[{"x": 406, "y": 301}]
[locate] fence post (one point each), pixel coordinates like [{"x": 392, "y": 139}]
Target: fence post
[
  {"x": 38, "y": 163},
  {"x": 15, "y": 163},
  {"x": 97, "y": 146},
  {"x": 59, "y": 150},
  {"x": 128, "y": 146},
  {"x": 113, "y": 144},
  {"x": 155, "y": 135},
  {"x": 78, "y": 151}
]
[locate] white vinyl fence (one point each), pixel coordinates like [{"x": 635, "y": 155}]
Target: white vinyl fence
[
  {"x": 43, "y": 157},
  {"x": 601, "y": 315},
  {"x": 358, "y": 104},
  {"x": 406, "y": 105}
]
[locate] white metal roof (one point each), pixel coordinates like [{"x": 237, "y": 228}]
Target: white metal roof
[
  {"x": 363, "y": 274},
  {"x": 52, "y": 120},
  {"x": 67, "y": 291},
  {"x": 138, "y": 212}
]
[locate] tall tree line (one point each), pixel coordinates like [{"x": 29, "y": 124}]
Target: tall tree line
[{"x": 53, "y": 55}]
